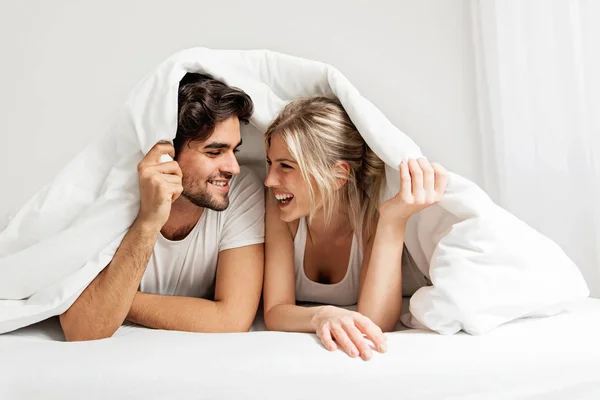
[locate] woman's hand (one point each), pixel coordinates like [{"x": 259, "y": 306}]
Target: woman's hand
[
  {"x": 348, "y": 329},
  {"x": 421, "y": 185}
]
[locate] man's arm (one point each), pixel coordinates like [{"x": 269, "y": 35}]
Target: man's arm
[
  {"x": 102, "y": 307},
  {"x": 237, "y": 293}
]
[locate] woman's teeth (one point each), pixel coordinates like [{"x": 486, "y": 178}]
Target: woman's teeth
[{"x": 284, "y": 198}]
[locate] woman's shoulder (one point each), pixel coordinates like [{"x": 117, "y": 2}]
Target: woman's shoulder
[{"x": 275, "y": 224}]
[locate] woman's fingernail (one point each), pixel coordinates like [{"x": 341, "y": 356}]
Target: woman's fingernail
[{"x": 382, "y": 348}]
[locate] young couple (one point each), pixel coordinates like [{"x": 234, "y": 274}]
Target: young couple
[{"x": 203, "y": 243}]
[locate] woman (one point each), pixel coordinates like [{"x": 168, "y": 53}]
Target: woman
[{"x": 327, "y": 240}]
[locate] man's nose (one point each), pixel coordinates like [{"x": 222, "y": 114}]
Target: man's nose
[{"x": 232, "y": 165}]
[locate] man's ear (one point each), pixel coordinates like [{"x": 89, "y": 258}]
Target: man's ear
[{"x": 342, "y": 171}]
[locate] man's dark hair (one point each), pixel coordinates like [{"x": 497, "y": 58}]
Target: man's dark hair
[{"x": 203, "y": 103}]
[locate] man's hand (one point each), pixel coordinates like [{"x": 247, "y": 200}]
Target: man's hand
[
  {"x": 104, "y": 304},
  {"x": 160, "y": 185}
]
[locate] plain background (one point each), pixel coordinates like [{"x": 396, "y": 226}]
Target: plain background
[{"x": 68, "y": 65}]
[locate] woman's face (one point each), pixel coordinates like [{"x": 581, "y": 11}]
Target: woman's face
[{"x": 286, "y": 182}]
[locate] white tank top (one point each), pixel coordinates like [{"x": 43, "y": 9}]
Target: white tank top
[
  {"x": 346, "y": 291},
  {"x": 342, "y": 293}
]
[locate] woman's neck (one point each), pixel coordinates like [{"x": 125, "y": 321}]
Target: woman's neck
[{"x": 339, "y": 225}]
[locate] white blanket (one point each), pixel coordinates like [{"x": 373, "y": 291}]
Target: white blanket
[{"x": 486, "y": 266}]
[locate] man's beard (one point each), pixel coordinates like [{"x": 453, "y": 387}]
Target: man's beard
[{"x": 202, "y": 197}]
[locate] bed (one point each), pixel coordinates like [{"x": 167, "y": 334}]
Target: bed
[{"x": 545, "y": 358}]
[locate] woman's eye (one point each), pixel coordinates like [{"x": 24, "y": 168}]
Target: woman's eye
[{"x": 285, "y": 166}]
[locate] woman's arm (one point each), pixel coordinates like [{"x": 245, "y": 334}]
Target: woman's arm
[
  {"x": 282, "y": 313},
  {"x": 280, "y": 310},
  {"x": 381, "y": 275},
  {"x": 421, "y": 185}
]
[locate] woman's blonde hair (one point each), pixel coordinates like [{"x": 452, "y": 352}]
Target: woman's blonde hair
[{"x": 319, "y": 133}]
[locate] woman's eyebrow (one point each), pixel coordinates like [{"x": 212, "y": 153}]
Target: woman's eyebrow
[{"x": 286, "y": 160}]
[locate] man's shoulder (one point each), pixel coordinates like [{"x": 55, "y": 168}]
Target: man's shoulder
[
  {"x": 246, "y": 198},
  {"x": 246, "y": 181}
]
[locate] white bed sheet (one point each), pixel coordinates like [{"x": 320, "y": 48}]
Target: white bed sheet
[{"x": 548, "y": 358}]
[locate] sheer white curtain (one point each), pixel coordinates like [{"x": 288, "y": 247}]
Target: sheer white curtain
[{"x": 538, "y": 80}]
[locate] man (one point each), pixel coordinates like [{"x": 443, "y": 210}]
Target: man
[{"x": 193, "y": 259}]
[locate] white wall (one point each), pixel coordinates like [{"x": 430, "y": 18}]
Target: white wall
[{"x": 68, "y": 65}]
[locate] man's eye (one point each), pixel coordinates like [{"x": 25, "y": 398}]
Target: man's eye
[
  {"x": 213, "y": 153},
  {"x": 236, "y": 150}
]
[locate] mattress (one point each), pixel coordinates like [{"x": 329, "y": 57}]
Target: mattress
[{"x": 543, "y": 358}]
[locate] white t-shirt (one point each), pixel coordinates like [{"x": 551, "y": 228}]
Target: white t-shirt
[{"x": 188, "y": 267}]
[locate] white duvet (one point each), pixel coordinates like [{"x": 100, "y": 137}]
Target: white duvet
[{"x": 487, "y": 267}]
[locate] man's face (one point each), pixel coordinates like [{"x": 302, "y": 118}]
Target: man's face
[{"x": 209, "y": 166}]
